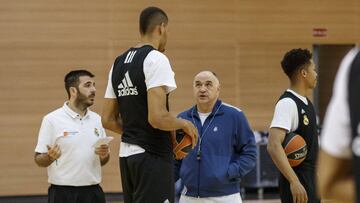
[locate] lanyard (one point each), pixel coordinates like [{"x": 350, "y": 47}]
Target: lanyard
[{"x": 198, "y": 155}]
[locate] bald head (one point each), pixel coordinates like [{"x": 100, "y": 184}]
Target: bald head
[
  {"x": 207, "y": 75},
  {"x": 206, "y": 87}
]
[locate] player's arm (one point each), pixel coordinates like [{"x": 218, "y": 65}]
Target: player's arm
[
  {"x": 159, "y": 117},
  {"x": 335, "y": 180},
  {"x": 110, "y": 117},
  {"x": 277, "y": 153}
]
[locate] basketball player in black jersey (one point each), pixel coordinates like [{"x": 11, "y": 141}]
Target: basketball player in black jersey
[
  {"x": 339, "y": 158},
  {"x": 136, "y": 106},
  {"x": 294, "y": 112}
]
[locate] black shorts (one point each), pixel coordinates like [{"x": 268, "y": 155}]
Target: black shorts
[
  {"x": 147, "y": 178},
  {"x": 307, "y": 179},
  {"x": 72, "y": 194}
]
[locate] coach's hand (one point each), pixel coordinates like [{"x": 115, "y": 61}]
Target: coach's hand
[
  {"x": 54, "y": 152},
  {"x": 102, "y": 151},
  {"x": 192, "y": 131},
  {"x": 298, "y": 192}
]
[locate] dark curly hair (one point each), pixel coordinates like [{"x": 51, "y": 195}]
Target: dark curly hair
[{"x": 295, "y": 59}]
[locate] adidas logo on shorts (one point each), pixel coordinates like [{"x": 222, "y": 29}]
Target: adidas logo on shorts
[{"x": 126, "y": 88}]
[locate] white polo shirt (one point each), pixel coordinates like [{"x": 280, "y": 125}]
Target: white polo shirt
[
  {"x": 78, "y": 164},
  {"x": 158, "y": 72}
]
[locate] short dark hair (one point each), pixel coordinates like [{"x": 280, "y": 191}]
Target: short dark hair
[
  {"x": 295, "y": 59},
  {"x": 150, "y": 17},
  {"x": 72, "y": 79}
]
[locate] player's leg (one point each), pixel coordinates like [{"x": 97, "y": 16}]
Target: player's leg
[
  {"x": 126, "y": 181},
  {"x": 153, "y": 178},
  {"x": 307, "y": 179},
  {"x": 285, "y": 192}
]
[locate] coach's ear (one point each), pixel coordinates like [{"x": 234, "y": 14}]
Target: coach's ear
[{"x": 73, "y": 92}]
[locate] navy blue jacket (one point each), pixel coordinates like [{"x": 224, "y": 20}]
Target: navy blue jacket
[{"x": 227, "y": 152}]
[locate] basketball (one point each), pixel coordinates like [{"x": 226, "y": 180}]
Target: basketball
[
  {"x": 295, "y": 149},
  {"x": 182, "y": 144}
]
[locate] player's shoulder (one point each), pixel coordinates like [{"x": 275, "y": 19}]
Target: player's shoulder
[
  {"x": 286, "y": 102},
  {"x": 156, "y": 55}
]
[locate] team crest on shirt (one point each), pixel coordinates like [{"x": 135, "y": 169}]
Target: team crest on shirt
[
  {"x": 96, "y": 131},
  {"x": 305, "y": 120}
]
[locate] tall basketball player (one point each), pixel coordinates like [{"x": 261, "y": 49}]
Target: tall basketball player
[{"x": 136, "y": 105}]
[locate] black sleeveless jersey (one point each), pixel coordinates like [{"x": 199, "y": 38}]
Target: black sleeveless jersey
[
  {"x": 307, "y": 128},
  {"x": 128, "y": 80},
  {"x": 354, "y": 109}
]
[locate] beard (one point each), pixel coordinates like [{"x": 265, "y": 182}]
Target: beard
[{"x": 84, "y": 101}]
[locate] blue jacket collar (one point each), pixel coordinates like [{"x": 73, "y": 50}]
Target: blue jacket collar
[{"x": 194, "y": 112}]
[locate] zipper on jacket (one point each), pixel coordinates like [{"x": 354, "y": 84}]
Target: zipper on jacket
[
  {"x": 198, "y": 157},
  {"x": 198, "y": 189},
  {"x": 201, "y": 134}
]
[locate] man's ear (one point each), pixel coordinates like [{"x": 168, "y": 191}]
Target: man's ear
[
  {"x": 162, "y": 28},
  {"x": 73, "y": 91},
  {"x": 303, "y": 72}
]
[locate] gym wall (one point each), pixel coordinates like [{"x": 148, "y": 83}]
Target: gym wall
[{"x": 242, "y": 41}]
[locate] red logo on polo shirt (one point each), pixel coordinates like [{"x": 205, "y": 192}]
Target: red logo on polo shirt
[{"x": 67, "y": 133}]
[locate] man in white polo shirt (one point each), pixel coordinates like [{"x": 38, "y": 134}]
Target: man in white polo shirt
[{"x": 65, "y": 145}]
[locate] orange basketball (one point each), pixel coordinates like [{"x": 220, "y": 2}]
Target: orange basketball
[
  {"x": 182, "y": 144},
  {"x": 295, "y": 148}
]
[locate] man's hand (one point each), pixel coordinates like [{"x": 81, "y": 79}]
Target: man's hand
[
  {"x": 54, "y": 152},
  {"x": 298, "y": 192},
  {"x": 192, "y": 131},
  {"x": 102, "y": 151}
]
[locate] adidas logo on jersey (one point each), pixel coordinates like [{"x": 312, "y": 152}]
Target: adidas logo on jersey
[{"x": 126, "y": 88}]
